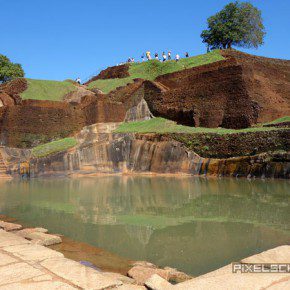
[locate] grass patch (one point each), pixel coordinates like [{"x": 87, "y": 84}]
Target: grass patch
[
  {"x": 150, "y": 70},
  {"x": 53, "y": 147},
  {"x": 47, "y": 90},
  {"x": 161, "y": 125},
  {"x": 279, "y": 120},
  {"x": 107, "y": 86}
]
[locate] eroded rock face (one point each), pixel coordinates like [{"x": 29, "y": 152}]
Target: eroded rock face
[
  {"x": 209, "y": 96},
  {"x": 130, "y": 153},
  {"x": 33, "y": 122},
  {"x": 233, "y": 93}
]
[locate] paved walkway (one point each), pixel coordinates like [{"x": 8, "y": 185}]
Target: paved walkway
[
  {"x": 24, "y": 265},
  {"x": 27, "y": 265}
]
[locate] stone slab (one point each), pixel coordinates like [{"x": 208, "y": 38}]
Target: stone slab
[
  {"x": 41, "y": 278},
  {"x": 130, "y": 287},
  {"x": 18, "y": 272},
  {"x": 78, "y": 274},
  {"x": 277, "y": 255},
  {"x": 120, "y": 277},
  {"x": 6, "y": 259},
  {"x": 46, "y": 285},
  {"x": 155, "y": 282},
  {"x": 31, "y": 252},
  {"x": 281, "y": 285},
  {"x": 26, "y": 231},
  {"x": 43, "y": 238},
  {"x": 10, "y": 226},
  {"x": 223, "y": 278},
  {"x": 10, "y": 239}
]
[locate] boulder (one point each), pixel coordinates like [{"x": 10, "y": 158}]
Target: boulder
[
  {"x": 141, "y": 274},
  {"x": 155, "y": 282},
  {"x": 9, "y": 226},
  {"x": 177, "y": 276},
  {"x": 43, "y": 239},
  {"x": 144, "y": 264}
]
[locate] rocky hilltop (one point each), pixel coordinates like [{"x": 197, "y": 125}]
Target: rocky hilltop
[{"x": 224, "y": 113}]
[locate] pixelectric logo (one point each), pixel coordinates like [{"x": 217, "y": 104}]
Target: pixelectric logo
[{"x": 261, "y": 267}]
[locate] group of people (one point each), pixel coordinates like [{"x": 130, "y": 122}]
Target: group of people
[{"x": 164, "y": 56}]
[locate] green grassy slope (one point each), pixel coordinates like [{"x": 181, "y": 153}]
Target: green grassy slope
[
  {"x": 149, "y": 70},
  {"x": 160, "y": 125},
  {"x": 285, "y": 119},
  {"x": 47, "y": 90},
  {"x": 54, "y": 147}
]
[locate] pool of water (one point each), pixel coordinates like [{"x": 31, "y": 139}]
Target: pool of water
[{"x": 193, "y": 224}]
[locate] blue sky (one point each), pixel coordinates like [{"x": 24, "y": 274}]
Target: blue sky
[{"x": 60, "y": 39}]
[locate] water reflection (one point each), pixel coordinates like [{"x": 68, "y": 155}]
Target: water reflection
[{"x": 193, "y": 224}]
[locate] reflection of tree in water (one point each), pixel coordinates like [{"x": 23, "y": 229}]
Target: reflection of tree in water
[
  {"x": 105, "y": 200},
  {"x": 139, "y": 232}
]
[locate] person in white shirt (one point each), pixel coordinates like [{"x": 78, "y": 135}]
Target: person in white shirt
[
  {"x": 78, "y": 80},
  {"x": 164, "y": 57},
  {"x": 177, "y": 57}
]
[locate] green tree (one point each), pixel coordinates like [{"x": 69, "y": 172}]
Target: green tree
[
  {"x": 237, "y": 24},
  {"x": 9, "y": 70}
]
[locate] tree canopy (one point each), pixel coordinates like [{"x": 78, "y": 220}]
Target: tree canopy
[
  {"x": 9, "y": 70},
  {"x": 237, "y": 24}
]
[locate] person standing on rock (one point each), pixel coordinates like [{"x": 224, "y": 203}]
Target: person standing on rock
[
  {"x": 164, "y": 57},
  {"x": 169, "y": 55},
  {"x": 78, "y": 80},
  {"x": 148, "y": 55}
]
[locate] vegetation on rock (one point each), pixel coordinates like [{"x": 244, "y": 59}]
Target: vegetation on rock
[
  {"x": 237, "y": 24},
  {"x": 161, "y": 125},
  {"x": 54, "y": 147},
  {"x": 47, "y": 90},
  {"x": 150, "y": 70},
  {"x": 285, "y": 119},
  {"x": 9, "y": 70}
]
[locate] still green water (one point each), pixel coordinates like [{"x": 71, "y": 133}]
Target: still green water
[{"x": 193, "y": 224}]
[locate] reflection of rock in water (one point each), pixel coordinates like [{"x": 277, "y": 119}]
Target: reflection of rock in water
[
  {"x": 99, "y": 219},
  {"x": 142, "y": 233}
]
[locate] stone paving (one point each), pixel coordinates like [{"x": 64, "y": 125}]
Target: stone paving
[{"x": 26, "y": 264}]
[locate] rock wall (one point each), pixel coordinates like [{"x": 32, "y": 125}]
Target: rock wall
[
  {"x": 131, "y": 154},
  {"x": 120, "y": 71},
  {"x": 33, "y": 122},
  {"x": 267, "y": 81},
  {"x": 233, "y": 93},
  {"x": 209, "y": 96}
]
